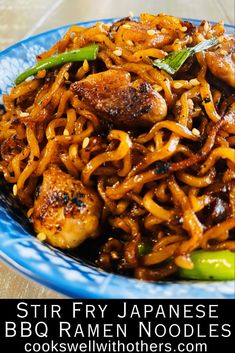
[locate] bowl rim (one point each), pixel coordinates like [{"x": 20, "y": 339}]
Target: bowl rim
[{"x": 135, "y": 288}]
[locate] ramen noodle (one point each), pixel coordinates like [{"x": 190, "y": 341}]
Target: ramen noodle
[{"x": 136, "y": 162}]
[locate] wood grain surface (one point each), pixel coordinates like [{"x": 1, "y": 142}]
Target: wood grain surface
[{"x": 23, "y": 18}]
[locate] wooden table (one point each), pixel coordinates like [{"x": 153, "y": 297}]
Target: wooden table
[{"x": 23, "y": 18}]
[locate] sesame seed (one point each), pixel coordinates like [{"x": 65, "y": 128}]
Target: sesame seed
[
  {"x": 164, "y": 31},
  {"x": 30, "y": 212},
  {"x": 130, "y": 14},
  {"x": 85, "y": 142},
  {"x": 206, "y": 27},
  {"x": 157, "y": 88},
  {"x": 114, "y": 255},
  {"x": 85, "y": 65},
  {"x": 195, "y": 132},
  {"x": 177, "y": 85},
  {"x": 178, "y": 104},
  {"x": 223, "y": 52},
  {"x": 66, "y": 76},
  {"x": 200, "y": 37},
  {"x": 184, "y": 29},
  {"x": 130, "y": 43},
  {"x": 118, "y": 52},
  {"x": 15, "y": 190},
  {"x": 66, "y": 132},
  {"x": 151, "y": 148},
  {"x": 41, "y": 236},
  {"x": 41, "y": 74},
  {"x": 190, "y": 103},
  {"x": 126, "y": 26},
  {"x": 194, "y": 82},
  {"x": 24, "y": 114},
  {"x": 151, "y": 32}
]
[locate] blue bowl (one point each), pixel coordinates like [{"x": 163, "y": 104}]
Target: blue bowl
[{"x": 49, "y": 266}]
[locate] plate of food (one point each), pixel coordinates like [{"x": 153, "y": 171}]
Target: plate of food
[{"x": 117, "y": 158}]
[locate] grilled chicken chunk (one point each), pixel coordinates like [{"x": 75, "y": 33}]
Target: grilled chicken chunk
[
  {"x": 221, "y": 62},
  {"x": 120, "y": 101},
  {"x": 65, "y": 211},
  {"x": 138, "y": 34}
]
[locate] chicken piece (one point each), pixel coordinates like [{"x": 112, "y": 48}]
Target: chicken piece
[
  {"x": 221, "y": 62},
  {"x": 65, "y": 211},
  {"x": 138, "y": 34},
  {"x": 120, "y": 101}
]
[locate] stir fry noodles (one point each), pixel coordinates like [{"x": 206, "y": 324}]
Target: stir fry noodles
[{"x": 124, "y": 134}]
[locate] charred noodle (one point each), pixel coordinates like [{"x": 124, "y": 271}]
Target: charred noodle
[{"x": 115, "y": 148}]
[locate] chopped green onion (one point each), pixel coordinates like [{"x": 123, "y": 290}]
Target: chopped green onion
[
  {"x": 211, "y": 265},
  {"x": 144, "y": 249},
  {"x": 86, "y": 53},
  {"x": 175, "y": 60}
]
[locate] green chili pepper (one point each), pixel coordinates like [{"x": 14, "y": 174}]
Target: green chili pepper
[
  {"x": 175, "y": 59},
  {"x": 144, "y": 248},
  {"x": 211, "y": 265},
  {"x": 86, "y": 53}
]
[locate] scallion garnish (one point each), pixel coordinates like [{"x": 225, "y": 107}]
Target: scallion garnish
[
  {"x": 175, "y": 60},
  {"x": 85, "y": 53}
]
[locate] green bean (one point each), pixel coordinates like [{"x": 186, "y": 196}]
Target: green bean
[
  {"x": 86, "y": 53},
  {"x": 210, "y": 265}
]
